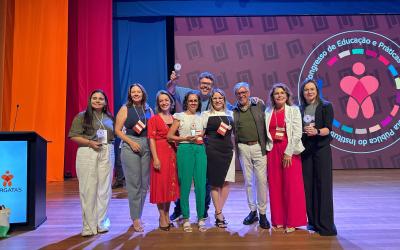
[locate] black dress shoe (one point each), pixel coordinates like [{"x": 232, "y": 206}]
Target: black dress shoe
[
  {"x": 264, "y": 223},
  {"x": 117, "y": 184},
  {"x": 327, "y": 233},
  {"x": 331, "y": 232},
  {"x": 251, "y": 218}
]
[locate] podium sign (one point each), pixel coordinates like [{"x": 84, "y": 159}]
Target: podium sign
[
  {"x": 14, "y": 182},
  {"x": 23, "y": 178}
]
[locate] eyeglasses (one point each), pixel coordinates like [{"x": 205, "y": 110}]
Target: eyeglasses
[
  {"x": 242, "y": 93},
  {"x": 206, "y": 83}
]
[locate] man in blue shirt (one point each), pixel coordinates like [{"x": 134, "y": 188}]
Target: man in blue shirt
[{"x": 206, "y": 81}]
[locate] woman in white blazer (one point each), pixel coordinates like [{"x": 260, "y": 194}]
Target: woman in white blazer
[{"x": 285, "y": 179}]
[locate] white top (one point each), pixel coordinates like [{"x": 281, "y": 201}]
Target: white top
[
  {"x": 208, "y": 113},
  {"x": 187, "y": 123},
  {"x": 294, "y": 130}
]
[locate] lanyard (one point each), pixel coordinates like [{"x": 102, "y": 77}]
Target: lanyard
[
  {"x": 145, "y": 119},
  {"x": 100, "y": 121},
  {"x": 227, "y": 117}
]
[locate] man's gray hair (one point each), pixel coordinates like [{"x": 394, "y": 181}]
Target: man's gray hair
[{"x": 241, "y": 84}]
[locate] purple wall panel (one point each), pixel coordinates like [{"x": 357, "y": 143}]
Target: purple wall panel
[{"x": 355, "y": 59}]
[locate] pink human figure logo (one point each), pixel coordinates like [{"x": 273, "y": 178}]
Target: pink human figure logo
[{"x": 359, "y": 91}]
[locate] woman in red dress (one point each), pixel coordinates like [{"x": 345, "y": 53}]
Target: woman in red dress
[
  {"x": 164, "y": 186},
  {"x": 285, "y": 178}
]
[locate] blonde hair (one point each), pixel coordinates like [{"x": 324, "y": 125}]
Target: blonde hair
[{"x": 213, "y": 92}]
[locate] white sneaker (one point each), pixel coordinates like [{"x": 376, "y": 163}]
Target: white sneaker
[{"x": 102, "y": 229}]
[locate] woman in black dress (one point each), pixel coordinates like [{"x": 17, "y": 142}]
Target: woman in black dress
[{"x": 218, "y": 122}]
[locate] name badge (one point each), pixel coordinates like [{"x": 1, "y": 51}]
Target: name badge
[
  {"x": 139, "y": 126},
  {"x": 223, "y": 128},
  {"x": 102, "y": 136},
  {"x": 193, "y": 129},
  {"x": 199, "y": 140},
  {"x": 279, "y": 134}
]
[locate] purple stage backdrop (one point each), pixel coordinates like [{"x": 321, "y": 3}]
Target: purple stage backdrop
[{"x": 354, "y": 58}]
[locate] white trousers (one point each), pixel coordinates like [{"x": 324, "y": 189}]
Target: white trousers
[
  {"x": 94, "y": 170},
  {"x": 254, "y": 167}
]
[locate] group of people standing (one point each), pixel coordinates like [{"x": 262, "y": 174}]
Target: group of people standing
[{"x": 281, "y": 146}]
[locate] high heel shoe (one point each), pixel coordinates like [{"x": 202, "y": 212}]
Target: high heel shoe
[
  {"x": 218, "y": 222},
  {"x": 164, "y": 228}
]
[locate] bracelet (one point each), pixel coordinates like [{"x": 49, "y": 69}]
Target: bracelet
[
  {"x": 318, "y": 132},
  {"x": 89, "y": 143}
]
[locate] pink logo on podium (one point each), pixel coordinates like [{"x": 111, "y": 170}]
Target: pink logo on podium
[{"x": 359, "y": 91}]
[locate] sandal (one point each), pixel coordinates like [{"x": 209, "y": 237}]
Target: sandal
[
  {"x": 137, "y": 228},
  {"x": 187, "y": 227},
  {"x": 290, "y": 230},
  {"x": 202, "y": 225},
  {"x": 278, "y": 228},
  {"x": 163, "y": 228},
  {"x": 220, "y": 223}
]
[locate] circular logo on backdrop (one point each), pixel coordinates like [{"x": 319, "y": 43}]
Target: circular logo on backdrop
[{"x": 357, "y": 71}]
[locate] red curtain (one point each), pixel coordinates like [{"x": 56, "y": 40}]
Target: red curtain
[{"x": 89, "y": 61}]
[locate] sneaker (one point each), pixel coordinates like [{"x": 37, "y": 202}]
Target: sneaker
[
  {"x": 251, "y": 218},
  {"x": 175, "y": 216},
  {"x": 102, "y": 229},
  {"x": 264, "y": 223}
]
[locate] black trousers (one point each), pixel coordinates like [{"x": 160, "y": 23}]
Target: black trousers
[
  {"x": 119, "y": 174},
  {"x": 177, "y": 208},
  {"x": 317, "y": 175}
]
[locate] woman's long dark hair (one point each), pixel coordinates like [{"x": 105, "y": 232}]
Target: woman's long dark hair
[
  {"x": 88, "y": 117},
  {"x": 129, "y": 101},
  {"x": 186, "y": 99}
]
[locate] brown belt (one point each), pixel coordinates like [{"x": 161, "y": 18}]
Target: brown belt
[{"x": 250, "y": 143}]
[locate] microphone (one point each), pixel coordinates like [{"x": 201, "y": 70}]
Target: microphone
[{"x": 15, "y": 118}]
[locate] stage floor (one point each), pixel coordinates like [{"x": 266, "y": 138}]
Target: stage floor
[{"x": 367, "y": 216}]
